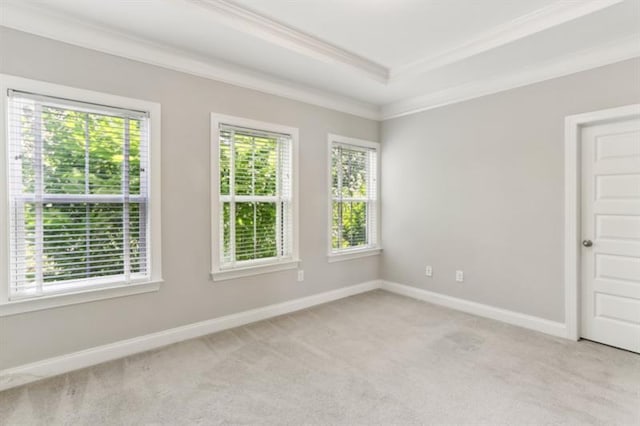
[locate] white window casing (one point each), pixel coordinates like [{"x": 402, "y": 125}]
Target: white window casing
[
  {"x": 80, "y": 199},
  {"x": 353, "y": 202},
  {"x": 254, "y": 197}
]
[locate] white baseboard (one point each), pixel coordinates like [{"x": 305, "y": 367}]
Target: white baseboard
[
  {"x": 553, "y": 328},
  {"x": 50, "y": 367}
]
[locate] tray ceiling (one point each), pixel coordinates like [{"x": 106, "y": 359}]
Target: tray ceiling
[{"x": 374, "y": 58}]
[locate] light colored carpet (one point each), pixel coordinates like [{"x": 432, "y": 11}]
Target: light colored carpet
[{"x": 375, "y": 358}]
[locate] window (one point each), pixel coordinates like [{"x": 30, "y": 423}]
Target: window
[
  {"x": 255, "y": 210},
  {"x": 353, "y": 198},
  {"x": 78, "y": 188}
]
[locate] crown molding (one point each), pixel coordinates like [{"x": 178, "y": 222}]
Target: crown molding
[
  {"x": 49, "y": 24},
  {"x": 250, "y": 22},
  {"x": 609, "y": 53},
  {"x": 68, "y": 30},
  {"x": 526, "y": 25}
]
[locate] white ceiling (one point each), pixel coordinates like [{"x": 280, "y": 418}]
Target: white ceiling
[
  {"x": 394, "y": 32},
  {"x": 374, "y": 58}
]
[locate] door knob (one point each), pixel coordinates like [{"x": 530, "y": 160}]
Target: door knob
[{"x": 587, "y": 243}]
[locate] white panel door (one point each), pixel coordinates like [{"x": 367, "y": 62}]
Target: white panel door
[{"x": 610, "y": 289}]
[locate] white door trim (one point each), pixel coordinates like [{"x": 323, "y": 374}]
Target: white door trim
[{"x": 572, "y": 206}]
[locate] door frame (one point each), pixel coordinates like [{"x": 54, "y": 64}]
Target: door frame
[{"x": 573, "y": 206}]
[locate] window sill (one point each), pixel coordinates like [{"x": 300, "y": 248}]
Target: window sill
[
  {"x": 64, "y": 299},
  {"x": 353, "y": 254},
  {"x": 247, "y": 271}
]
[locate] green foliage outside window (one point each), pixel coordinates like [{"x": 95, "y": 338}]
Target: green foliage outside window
[
  {"x": 80, "y": 154},
  {"x": 255, "y": 175},
  {"x": 349, "y": 175}
]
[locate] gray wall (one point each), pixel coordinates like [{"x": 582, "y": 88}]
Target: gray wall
[
  {"x": 187, "y": 295},
  {"x": 478, "y": 186}
]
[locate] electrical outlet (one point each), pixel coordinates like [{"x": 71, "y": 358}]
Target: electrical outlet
[
  {"x": 300, "y": 275},
  {"x": 459, "y": 276},
  {"x": 428, "y": 271}
]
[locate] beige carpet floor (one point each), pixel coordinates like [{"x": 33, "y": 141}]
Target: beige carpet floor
[{"x": 375, "y": 358}]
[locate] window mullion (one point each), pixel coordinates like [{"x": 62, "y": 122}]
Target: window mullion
[
  {"x": 340, "y": 178},
  {"x": 143, "y": 205},
  {"x": 373, "y": 198},
  {"x": 368, "y": 196},
  {"x": 279, "y": 233},
  {"x": 86, "y": 191},
  {"x": 126, "y": 237},
  {"x": 232, "y": 203},
  {"x": 253, "y": 193},
  {"x": 17, "y": 224},
  {"x": 39, "y": 190}
]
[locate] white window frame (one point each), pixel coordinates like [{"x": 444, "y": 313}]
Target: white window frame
[
  {"x": 260, "y": 266},
  {"x": 104, "y": 288},
  {"x": 359, "y": 252}
]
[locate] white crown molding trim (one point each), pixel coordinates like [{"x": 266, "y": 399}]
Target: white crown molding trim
[
  {"x": 534, "y": 22},
  {"x": 270, "y": 30},
  {"x": 62, "y": 28},
  {"x": 35, "y": 20},
  {"x": 581, "y": 61},
  {"x": 542, "y": 325},
  {"x": 50, "y": 367}
]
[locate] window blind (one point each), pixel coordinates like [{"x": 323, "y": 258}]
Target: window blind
[
  {"x": 78, "y": 194},
  {"x": 353, "y": 196},
  {"x": 255, "y": 197}
]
